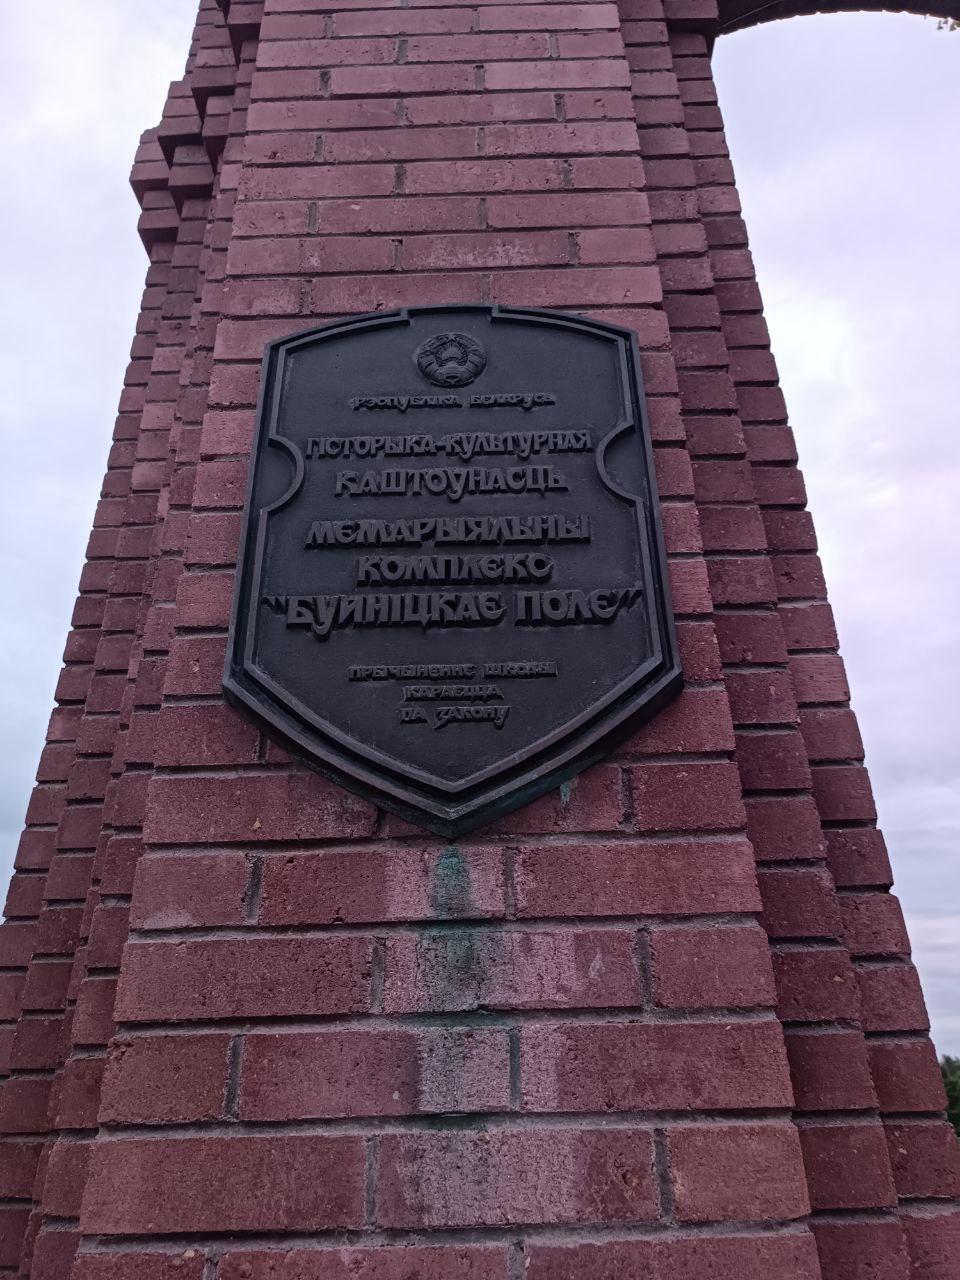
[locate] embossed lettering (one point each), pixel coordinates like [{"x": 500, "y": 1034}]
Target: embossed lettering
[
  {"x": 448, "y": 531},
  {"x": 439, "y": 692},
  {"x": 449, "y": 482},
  {"x": 496, "y": 716},
  {"x": 326, "y": 613},
  {"x": 378, "y": 571},
  {"x": 559, "y": 608}
]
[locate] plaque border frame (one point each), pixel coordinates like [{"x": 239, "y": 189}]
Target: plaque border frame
[{"x": 453, "y": 810}]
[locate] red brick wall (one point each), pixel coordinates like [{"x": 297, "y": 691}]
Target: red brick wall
[{"x": 660, "y": 1022}]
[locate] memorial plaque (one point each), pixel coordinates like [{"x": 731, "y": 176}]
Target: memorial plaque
[{"x": 452, "y": 589}]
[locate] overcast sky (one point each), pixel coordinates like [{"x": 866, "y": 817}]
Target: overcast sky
[{"x": 844, "y": 135}]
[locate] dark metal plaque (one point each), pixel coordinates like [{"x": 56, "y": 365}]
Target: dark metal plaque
[{"x": 452, "y": 589}]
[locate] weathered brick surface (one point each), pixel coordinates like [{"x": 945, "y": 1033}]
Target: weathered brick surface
[
  {"x": 165, "y": 1079},
  {"x": 186, "y": 1264},
  {"x": 723, "y": 967},
  {"x": 163, "y": 1187},
  {"x": 623, "y": 1066},
  {"x": 847, "y": 1166},
  {"x": 745, "y": 1256},
  {"x": 555, "y": 1176},
  {"x": 877, "y": 1249},
  {"x": 377, "y": 1073},
  {"x": 238, "y": 978},
  {"x": 750, "y": 1169},
  {"x": 472, "y": 1262},
  {"x": 651, "y": 1023}
]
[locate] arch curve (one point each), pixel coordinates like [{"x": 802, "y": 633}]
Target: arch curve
[{"x": 734, "y": 15}]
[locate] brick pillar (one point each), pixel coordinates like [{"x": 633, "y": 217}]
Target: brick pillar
[
  {"x": 56, "y": 1056},
  {"x": 657, "y": 1022},
  {"x": 697, "y": 226},
  {"x": 53, "y": 868},
  {"x": 866, "y": 1058}
]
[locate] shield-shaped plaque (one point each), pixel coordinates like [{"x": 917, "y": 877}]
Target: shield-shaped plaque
[{"x": 452, "y": 590}]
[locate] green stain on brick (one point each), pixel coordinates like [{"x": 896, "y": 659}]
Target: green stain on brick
[
  {"x": 448, "y": 956},
  {"x": 449, "y": 960},
  {"x": 450, "y": 885}
]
